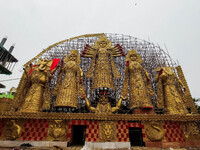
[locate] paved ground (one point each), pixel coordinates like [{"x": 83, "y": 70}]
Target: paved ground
[{"x": 79, "y": 148}]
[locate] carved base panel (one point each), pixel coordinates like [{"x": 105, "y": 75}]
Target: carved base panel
[{"x": 98, "y": 133}]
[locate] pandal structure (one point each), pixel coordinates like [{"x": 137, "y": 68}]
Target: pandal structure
[{"x": 102, "y": 90}]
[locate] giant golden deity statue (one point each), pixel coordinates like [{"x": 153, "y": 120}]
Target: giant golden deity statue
[
  {"x": 138, "y": 80},
  {"x": 102, "y": 67},
  {"x": 71, "y": 87},
  {"x": 169, "y": 91},
  {"x": 37, "y": 97}
]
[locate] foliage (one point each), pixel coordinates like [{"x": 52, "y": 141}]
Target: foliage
[
  {"x": 197, "y": 103},
  {"x": 4, "y": 95}
]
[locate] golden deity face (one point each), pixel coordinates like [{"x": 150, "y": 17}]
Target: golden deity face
[
  {"x": 103, "y": 99},
  {"x": 42, "y": 64},
  {"x": 108, "y": 131},
  {"x": 72, "y": 57},
  {"x": 103, "y": 44},
  {"x": 133, "y": 57}
]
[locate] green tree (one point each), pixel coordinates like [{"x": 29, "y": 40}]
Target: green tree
[{"x": 197, "y": 103}]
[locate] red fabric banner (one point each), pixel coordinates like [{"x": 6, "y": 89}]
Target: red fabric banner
[{"x": 54, "y": 64}]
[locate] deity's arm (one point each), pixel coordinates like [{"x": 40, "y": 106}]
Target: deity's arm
[
  {"x": 90, "y": 55},
  {"x": 116, "y": 54},
  {"x": 81, "y": 91},
  {"x": 89, "y": 51},
  {"x": 18, "y": 130},
  {"x": 114, "y": 109},
  {"x": 124, "y": 91},
  {"x": 89, "y": 73},
  {"x": 156, "y": 78},
  {"x": 116, "y": 51},
  {"x": 79, "y": 74},
  {"x": 46, "y": 95},
  {"x": 146, "y": 74},
  {"x": 147, "y": 81},
  {"x": 160, "y": 92},
  {"x": 114, "y": 69},
  {"x": 88, "y": 104},
  {"x": 59, "y": 81}
]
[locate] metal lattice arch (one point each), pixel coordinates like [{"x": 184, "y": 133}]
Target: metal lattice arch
[{"x": 153, "y": 57}]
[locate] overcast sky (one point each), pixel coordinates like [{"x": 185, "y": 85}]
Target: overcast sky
[{"x": 35, "y": 24}]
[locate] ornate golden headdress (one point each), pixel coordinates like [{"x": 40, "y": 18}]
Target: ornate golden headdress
[
  {"x": 44, "y": 64},
  {"x": 102, "y": 39},
  {"x": 168, "y": 70},
  {"x": 133, "y": 52},
  {"x": 75, "y": 52}
]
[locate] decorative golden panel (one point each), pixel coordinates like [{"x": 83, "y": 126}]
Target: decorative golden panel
[
  {"x": 154, "y": 130},
  {"x": 57, "y": 130},
  {"x": 107, "y": 131},
  {"x": 12, "y": 129},
  {"x": 191, "y": 131}
]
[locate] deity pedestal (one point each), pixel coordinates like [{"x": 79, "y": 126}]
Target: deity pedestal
[{"x": 114, "y": 130}]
